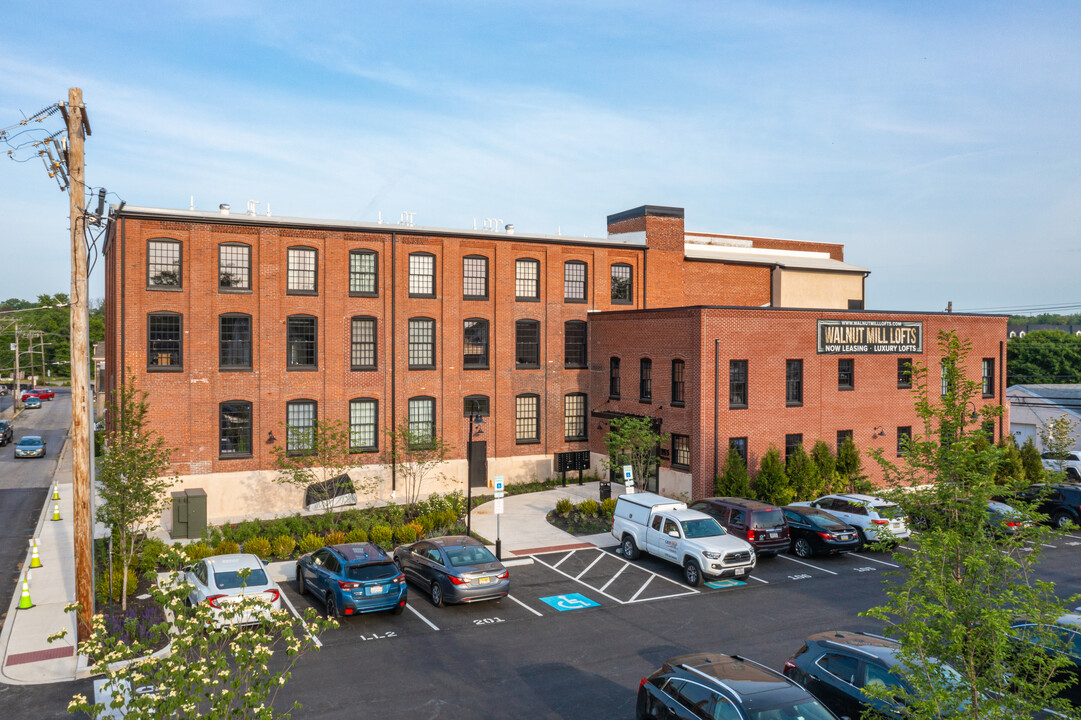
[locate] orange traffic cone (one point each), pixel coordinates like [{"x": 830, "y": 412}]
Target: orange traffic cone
[
  {"x": 56, "y": 511},
  {"x": 24, "y": 601},
  {"x": 35, "y": 561}
]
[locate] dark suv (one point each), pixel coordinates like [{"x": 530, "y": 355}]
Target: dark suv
[
  {"x": 763, "y": 525},
  {"x": 1060, "y": 502},
  {"x": 711, "y": 686},
  {"x": 6, "y": 434}
]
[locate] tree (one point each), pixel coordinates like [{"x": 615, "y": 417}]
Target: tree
[
  {"x": 850, "y": 476},
  {"x": 1044, "y": 356},
  {"x": 317, "y": 460},
  {"x": 771, "y": 483},
  {"x": 802, "y": 475},
  {"x": 131, "y": 482},
  {"x": 415, "y": 453},
  {"x": 212, "y": 670},
  {"x": 1011, "y": 467},
  {"x": 633, "y": 441},
  {"x": 965, "y": 584},
  {"x": 826, "y": 463},
  {"x": 733, "y": 481},
  {"x": 1058, "y": 438},
  {"x": 1030, "y": 460}
]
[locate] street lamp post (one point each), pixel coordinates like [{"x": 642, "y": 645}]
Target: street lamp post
[{"x": 474, "y": 421}]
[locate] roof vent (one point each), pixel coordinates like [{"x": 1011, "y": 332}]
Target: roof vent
[
  {"x": 224, "y": 207},
  {"x": 509, "y": 229}
]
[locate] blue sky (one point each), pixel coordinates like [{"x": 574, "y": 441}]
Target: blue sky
[{"x": 938, "y": 141}]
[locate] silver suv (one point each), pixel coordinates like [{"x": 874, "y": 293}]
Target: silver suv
[
  {"x": 1070, "y": 463},
  {"x": 873, "y": 517}
]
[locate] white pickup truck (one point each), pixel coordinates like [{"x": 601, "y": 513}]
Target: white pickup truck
[{"x": 645, "y": 522}]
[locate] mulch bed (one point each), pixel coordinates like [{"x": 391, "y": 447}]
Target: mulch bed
[
  {"x": 146, "y": 613},
  {"x": 578, "y": 524}
]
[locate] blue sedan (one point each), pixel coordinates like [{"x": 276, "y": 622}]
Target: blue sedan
[
  {"x": 30, "y": 446},
  {"x": 352, "y": 579},
  {"x": 32, "y": 401}
]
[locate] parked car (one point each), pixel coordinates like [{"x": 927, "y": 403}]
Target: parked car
[
  {"x": 28, "y": 394},
  {"x": 761, "y": 523},
  {"x": 32, "y": 401},
  {"x": 352, "y": 579},
  {"x": 6, "y": 433},
  {"x": 666, "y": 528},
  {"x": 1002, "y": 519},
  {"x": 45, "y": 393},
  {"x": 816, "y": 532},
  {"x": 219, "y": 581},
  {"x": 1066, "y": 633},
  {"x": 454, "y": 569},
  {"x": 1060, "y": 502},
  {"x": 873, "y": 517},
  {"x": 836, "y": 666},
  {"x": 30, "y": 446},
  {"x": 1069, "y": 462},
  {"x": 720, "y": 687}
]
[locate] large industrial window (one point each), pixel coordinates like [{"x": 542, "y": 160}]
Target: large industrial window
[
  {"x": 681, "y": 451},
  {"x": 421, "y": 344},
  {"x": 793, "y": 394},
  {"x": 904, "y": 373},
  {"x": 363, "y": 425},
  {"x": 301, "y": 271},
  {"x": 421, "y": 420},
  {"x": 476, "y": 406},
  {"x": 988, "y": 377},
  {"x": 300, "y": 342},
  {"x": 737, "y": 384},
  {"x": 645, "y": 380},
  {"x": 234, "y": 341},
  {"x": 678, "y": 368},
  {"x": 163, "y": 265},
  {"x": 527, "y": 419},
  {"x": 846, "y": 374},
  {"x": 164, "y": 341},
  {"x": 421, "y": 275},
  {"x": 526, "y": 279},
  {"x": 574, "y": 344},
  {"x": 234, "y": 429},
  {"x": 622, "y": 284},
  {"x": 574, "y": 281},
  {"x": 362, "y": 353},
  {"x": 363, "y": 273},
  {"x": 527, "y": 344},
  {"x": 613, "y": 378},
  {"x": 234, "y": 267},
  {"x": 299, "y": 426},
  {"x": 574, "y": 417},
  {"x": 475, "y": 277},
  {"x": 475, "y": 344}
]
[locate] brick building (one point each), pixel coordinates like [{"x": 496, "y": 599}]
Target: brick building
[{"x": 240, "y": 324}]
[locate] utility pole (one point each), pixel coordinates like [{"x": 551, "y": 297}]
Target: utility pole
[
  {"x": 80, "y": 422},
  {"x": 18, "y": 385}
]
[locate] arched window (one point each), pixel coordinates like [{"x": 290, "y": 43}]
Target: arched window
[
  {"x": 164, "y": 341},
  {"x": 474, "y": 277},
  {"x": 613, "y": 378},
  {"x": 421, "y": 344},
  {"x": 574, "y": 417},
  {"x": 574, "y": 281},
  {"x": 527, "y": 279},
  {"x": 234, "y": 429},
  {"x": 678, "y": 386},
  {"x": 363, "y": 425},
  {"x": 300, "y": 416},
  {"x": 421, "y": 419},
  {"x": 234, "y": 267},
  {"x": 475, "y": 344},
  {"x": 645, "y": 380},
  {"x": 527, "y": 344},
  {"x": 574, "y": 344},
  {"x": 301, "y": 342},
  {"x": 527, "y": 419},
  {"x": 163, "y": 264},
  {"x": 363, "y": 273},
  {"x": 421, "y": 274},
  {"x": 363, "y": 348},
  {"x": 234, "y": 341},
  {"x": 622, "y": 284},
  {"x": 302, "y": 264}
]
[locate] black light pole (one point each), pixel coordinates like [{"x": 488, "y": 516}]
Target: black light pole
[{"x": 474, "y": 419}]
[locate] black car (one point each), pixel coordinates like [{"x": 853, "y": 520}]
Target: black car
[
  {"x": 759, "y": 523},
  {"x": 1063, "y": 638},
  {"x": 1060, "y": 502},
  {"x": 816, "y": 532},
  {"x": 6, "y": 433},
  {"x": 711, "y": 686}
]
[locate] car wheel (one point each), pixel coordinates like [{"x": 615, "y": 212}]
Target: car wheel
[
  {"x": 437, "y": 594},
  {"x": 630, "y": 550},
  {"x": 802, "y": 548},
  {"x": 642, "y": 710},
  {"x": 1061, "y": 519},
  {"x": 863, "y": 540},
  {"x": 692, "y": 573},
  {"x": 301, "y": 585},
  {"x": 332, "y": 606}
]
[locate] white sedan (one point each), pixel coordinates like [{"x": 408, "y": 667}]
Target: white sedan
[{"x": 219, "y": 581}]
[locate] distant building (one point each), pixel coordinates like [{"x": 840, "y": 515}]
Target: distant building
[
  {"x": 1033, "y": 405},
  {"x": 1022, "y": 330}
]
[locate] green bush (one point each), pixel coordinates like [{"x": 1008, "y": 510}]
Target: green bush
[
  {"x": 148, "y": 557},
  {"x": 608, "y": 507},
  {"x": 589, "y": 508},
  {"x": 227, "y": 547},
  {"x": 310, "y": 543},
  {"x": 405, "y": 534},
  {"x": 118, "y": 578},
  {"x": 197, "y": 551},
  {"x": 382, "y": 536},
  {"x": 356, "y": 535},
  {"x": 564, "y": 507},
  {"x": 283, "y": 546},
  {"x": 259, "y": 547},
  {"x": 529, "y": 487},
  {"x": 335, "y": 538}
]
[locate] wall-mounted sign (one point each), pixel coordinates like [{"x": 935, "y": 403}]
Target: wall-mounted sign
[{"x": 851, "y": 337}]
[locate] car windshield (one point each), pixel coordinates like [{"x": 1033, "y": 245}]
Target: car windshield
[
  {"x": 706, "y": 527},
  {"x": 767, "y": 519},
  {"x": 807, "y": 710},
  {"x": 29, "y": 441},
  {"x": 229, "y": 579},
  {"x": 374, "y": 571},
  {"x": 826, "y": 522},
  {"x": 470, "y": 555},
  {"x": 889, "y": 511}
]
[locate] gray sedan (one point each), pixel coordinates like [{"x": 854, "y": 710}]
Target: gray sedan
[{"x": 454, "y": 569}]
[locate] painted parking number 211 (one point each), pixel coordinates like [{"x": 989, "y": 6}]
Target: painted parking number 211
[{"x": 379, "y": 636}]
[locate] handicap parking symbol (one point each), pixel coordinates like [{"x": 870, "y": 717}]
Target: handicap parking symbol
[
  {"x": 570, "y": 601},
  {"x": 726, "y": 583}
]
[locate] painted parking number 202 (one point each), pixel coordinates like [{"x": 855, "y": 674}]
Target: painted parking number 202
[
  {"x": 488, "y": 621},
  {"x": 379, "y": 636}
]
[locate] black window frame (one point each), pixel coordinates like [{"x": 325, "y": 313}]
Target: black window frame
[
  {"x": 575, "y": 344},
  {"x": 679, "y": 382},
  {"x": 681, "y": 448},
  {"x": 357, "y": 347},
  {"x": 361, "y": 274},
  {"x": 613, "y": 378},
  {"x": 355, "y": 428},
  {"x": 903, "y": 431},
  {"x": 645, "y": 380},
  {"x": 290, "y": 342},
  {"x": 791, "y": 442},
  {"x": 415, "y": 346},
  {"x": 290, "y": 448},
  {"x": 158, "y": 346},
  {"x": 236, "y": 433},
  {"x": 480, "y": 326},
  {"x": 904, "y": 373},
  {"x": 570, "y": 269},
  {"x": 629, "y": 280},
  {"x": 740, "y": 445},
  {"x": 522, "y": 282},
  {"x": 419, "y": 277},
  {"x": 466, "y": 277},
  {"x": 522, "y": 344},
  {"x": 226, "y": 347},
  {"x": 247, "y": 287},
  {"x": 793, "y": 383},
  {"x": 581, "y": 418},
  {"x": 478, "y": 409},
  {"x": 292, "y": 273},
  {"x": 841, "y": 435},
  {"x": 522, "y": 423},
  {"x": 150, "y": 264},
  {"x": 416, "y": 426},
  {"x": 987, "y": 377},
  {"x": 846, "y": 374},
  {"x": 737, "y": 385}
]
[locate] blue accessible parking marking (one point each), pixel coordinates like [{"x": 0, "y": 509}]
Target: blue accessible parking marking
[
  {"x": 716, "y": 584},
  {"x": 570, "y": 601}
]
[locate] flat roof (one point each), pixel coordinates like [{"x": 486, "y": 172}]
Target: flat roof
[
  {"x": 789, "y": 259},
  {"x": 766, "y": 308}
]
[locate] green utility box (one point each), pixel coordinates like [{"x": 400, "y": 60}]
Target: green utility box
[
  {"x": 180, "y": 515},
  {"x": 196, "y": 512}
]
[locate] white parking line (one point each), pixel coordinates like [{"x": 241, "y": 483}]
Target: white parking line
[
  {"x": 644, "y": 586},
  {"x": 524, "y": 605},
  {"x": 906, "y": 547},
  {"x": 618, "y": 573},
  {"x": 764, "y": 582},
  {"x": 1030, "y": 542},
  {"x": 1075, "y": 537},
  {"x": 561, "y": 561},
  {"x": 815, "y": 567},
  {"x": 428, "y": 622},
  {"x": 571, "y": 577},
  {"x": 590, "y": 566},
  {"x": 880, "y": 562},
  {"x": 281, "y": 593}
]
